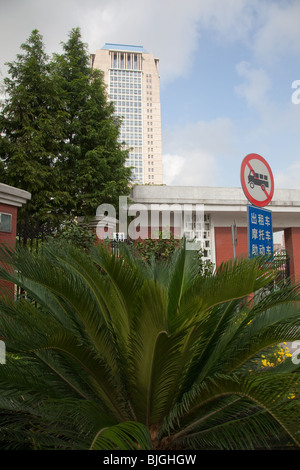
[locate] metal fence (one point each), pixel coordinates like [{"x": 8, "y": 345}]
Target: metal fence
[
  {"x": 281, "y": 262},
  {"x": 31, "y": 232},
  {"x": 115, "y": 244}
]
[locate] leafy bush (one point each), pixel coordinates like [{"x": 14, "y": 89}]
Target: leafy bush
[{"x": 79, "y": 234}]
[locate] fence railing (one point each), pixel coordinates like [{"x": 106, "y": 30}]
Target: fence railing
[
  {"x": 282, "y": 264},
  {"x": 32, "y": 232}
]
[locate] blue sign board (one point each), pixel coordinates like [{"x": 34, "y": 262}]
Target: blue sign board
[{"x": 260, "y": 231}]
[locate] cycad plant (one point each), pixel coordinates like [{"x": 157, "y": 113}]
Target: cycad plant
[{"x": 104, "y": 352}]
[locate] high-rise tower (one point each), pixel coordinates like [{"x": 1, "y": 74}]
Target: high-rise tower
[{"x": 131, "y": 75}]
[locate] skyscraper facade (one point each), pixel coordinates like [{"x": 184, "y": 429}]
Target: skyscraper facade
[{"x": 131, "y": 75}]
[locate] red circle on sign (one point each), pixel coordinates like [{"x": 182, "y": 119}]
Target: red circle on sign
[{"x": 269, "y": 195}]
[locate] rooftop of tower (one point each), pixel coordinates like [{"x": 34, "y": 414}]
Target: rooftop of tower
[{"x": 124, "y": 47}]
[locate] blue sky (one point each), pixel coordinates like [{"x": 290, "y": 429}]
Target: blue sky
[{"x": 226, "y": 68}]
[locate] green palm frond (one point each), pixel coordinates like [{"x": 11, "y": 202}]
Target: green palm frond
[
  {"x": 106, "y": 352},
  {"x": 129, "y": 435},
  {"x": 261, "y": 392}
]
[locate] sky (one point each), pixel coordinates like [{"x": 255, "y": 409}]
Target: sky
[{"x": 229, "y": 74}]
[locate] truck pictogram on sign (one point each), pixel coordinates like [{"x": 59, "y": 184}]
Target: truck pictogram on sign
[{"x": 258, "y": 179}]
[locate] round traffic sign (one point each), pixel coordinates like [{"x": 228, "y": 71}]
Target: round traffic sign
[{"x": 257, "y": 180}]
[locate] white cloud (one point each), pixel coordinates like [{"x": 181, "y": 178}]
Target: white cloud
[
  {"x": 194, "y": 153},
  {"x": 195, "y": 168},
  {"x": 211, "y": 136},
  {"x": 172, "y": 30},
  {"x": 172, "y": 167},
  {"x": 274, "y": 114},
  {"x": 231, "y": 19},
  {"x": 53, "y": 20},
  {"x": 166, "y": 28},
  {"x": 290, "y": 177},
  {"x": 256, "y": 86},
  {"x": 169, "y": 28},
  {"x": 280, "y": 33}
]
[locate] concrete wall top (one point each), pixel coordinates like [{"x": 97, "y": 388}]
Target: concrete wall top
[
  {"x": 12, "y": 196},
  {"x": 215, "y": 199}
]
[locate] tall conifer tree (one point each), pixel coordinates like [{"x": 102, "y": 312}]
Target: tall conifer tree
[
  {"x": 31, "y": 128},
  {"x": 58, "y": 133},
  {"x": 92, "y": 160}
]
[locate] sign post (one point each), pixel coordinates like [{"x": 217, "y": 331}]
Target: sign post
[
  {"x": 234, "y": 239},
  {"x": 258, "y": 186}
]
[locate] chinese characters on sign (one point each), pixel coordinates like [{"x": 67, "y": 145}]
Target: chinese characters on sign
[{"x": 260, "y": 231}]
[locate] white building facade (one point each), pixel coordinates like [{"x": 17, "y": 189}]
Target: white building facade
[
  {"x": 223, "y": 209},
  {"x": 131, "y": 75}
]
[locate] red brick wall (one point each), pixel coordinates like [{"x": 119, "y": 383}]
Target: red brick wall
[
  {"x": 292, "y": 245},
  {"x": 8, "y": 239},
  {"x": 223, "y": 243}
]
